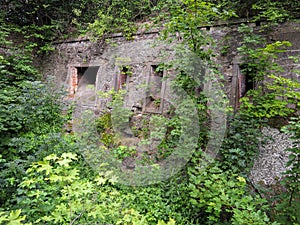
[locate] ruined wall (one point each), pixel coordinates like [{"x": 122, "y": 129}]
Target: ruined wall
[
  {"x": 145, "y": 51},
  {"x": 131, "y": 65},
  {"x": 121, "y": 64},
  {"x": 229, "y": 39}
]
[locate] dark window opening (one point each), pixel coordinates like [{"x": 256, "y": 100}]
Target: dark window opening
[
  {"x": 87, "y": 75},
  {"x": 156, "y": 70},
  {"x": 80, "y": 72},
  {"x": 155, "y": 81},
  {"x": 123, "y": 77},
  {"x": 246, "y": 80},
  {"x": 153, "y": 100},
  {"x": 82, "y": 79},
  {"x": 249, "y": 83}
]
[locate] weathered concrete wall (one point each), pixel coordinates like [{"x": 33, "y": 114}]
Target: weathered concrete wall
[
  {"x": 137, "y": 56},
  {"x": 229, "y": 39},
  {"x": 144, "y": 51},
  {"x": 136, "y": 59},
  {"x": 70, "y": 53}
]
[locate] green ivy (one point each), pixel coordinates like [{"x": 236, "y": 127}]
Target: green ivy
[{"x": 242, "y": 142}]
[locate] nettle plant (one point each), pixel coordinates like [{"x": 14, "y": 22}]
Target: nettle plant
[{"x": 30, "y": 111}]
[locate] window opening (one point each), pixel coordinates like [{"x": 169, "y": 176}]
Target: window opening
[
  {"x": 246, "y": 81},
  {"x": 241, "y": 82},
  {"x": 157, "y": 71},
  {"x": 82, "y": 79},
  {"x": 88, "y": 75},
  {"x": 153, "y": 100},
  {"x": 80, "y": 72},
  {"x": 123, "y": 77}
]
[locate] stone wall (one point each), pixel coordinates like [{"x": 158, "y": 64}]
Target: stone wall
[
  {"x": 145, "y": 51},
  {"x": 138, "y": 57},
  {"x": 131, "y": 65}
]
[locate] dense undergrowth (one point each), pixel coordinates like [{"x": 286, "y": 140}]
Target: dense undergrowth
[{"x": 45, "y": 178}]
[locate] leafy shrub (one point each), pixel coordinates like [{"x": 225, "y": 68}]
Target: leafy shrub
[
  {"x": 32, "y": 121},
  {"x": 241, "y": 144},
  {"x": 222, "y": 197}
]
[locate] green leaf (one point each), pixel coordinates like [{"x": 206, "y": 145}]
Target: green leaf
[{"x": 44, "y": 166}]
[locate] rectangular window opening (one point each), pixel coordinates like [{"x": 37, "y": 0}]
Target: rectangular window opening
[
  {"x": 153, "y": 100},
  {"x": 241, "y": 82},
  {"x": 123, "y": 77},
  {"x": 87, "y": 75},
  {"x": 157, "y": 70},
  {"x": 82, "y": 78},
  {"x": 246, "y": 81}
]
